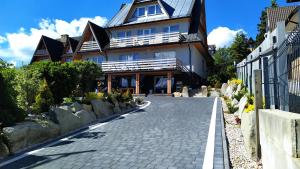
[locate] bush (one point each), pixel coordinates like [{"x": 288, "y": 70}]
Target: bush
[
  {"x": 240, "y": 94},
  {"x": 114, "y": 96},
  {"x": 93, "y": 96},
  {"x": 139, "y": 100},
  {"x": 231, "y": 108},
  {"x": 9, "y": 111},
  {"x": 215, "y": 81},
  {"x": 44, "y": 99},
  {"x": 127, "y": 96}
]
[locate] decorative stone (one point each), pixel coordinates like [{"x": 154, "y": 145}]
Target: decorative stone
[
  {"x": 86, "y": 117},
  {"x": 4, "y": 151},
  {"x": 241, "y": 105},
  {"x": 101, "y": 108},
  {"x": 234, "y": 102},
  {"x": 229, "y": 91},
  {"x": 185, "y": 91},
  {"x": 26, "y": 134},
  {"x": 177, "y": 94},
  {"x": 204, "y": 91},
  {"x": 223, "y": 88},
  {"x": 249, "y": 133},
  {"x": 67, "y": 120},
  {"x": 88, "y": 108},
  {"x": 76, "y": 107}
]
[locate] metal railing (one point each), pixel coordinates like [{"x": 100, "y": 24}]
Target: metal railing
[
  {"x": 89, "y": 46},
  {"x": 144, "y": 65},
  {"x": 145, "y": 40},
  {"x": 41, "y": 52}
]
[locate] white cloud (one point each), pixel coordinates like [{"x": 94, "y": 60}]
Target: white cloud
[
  {"x": 222, "y": 36},
  {"x": 2, "y": 39},
  {"x": 22, "y": 44}
]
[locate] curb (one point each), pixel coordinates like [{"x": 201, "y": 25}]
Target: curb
[{"x": 227, "y": 163}]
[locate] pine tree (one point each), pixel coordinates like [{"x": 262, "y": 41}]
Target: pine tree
[{"x": 239, "y": 49}]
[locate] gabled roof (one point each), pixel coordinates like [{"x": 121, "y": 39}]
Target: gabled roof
[
  {"x": 73, "y": 43},
  {"x": 277, "y": 15},
  {"x": 174, "y": 8},
  {"x": 54, "y": 48},
  {"x": 99, "y": 34}
]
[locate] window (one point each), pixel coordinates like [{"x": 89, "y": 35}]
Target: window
[
  {"x": 130, "y": 57},
  {"x": 142, "y": 32},
  {"x": 154, "y": 10},
  {"x": 124, "y": 34},
  {"x": 95, "y": 59},
  {"x": 170, "y": 29},
  {"x": 139, "y": 12},
  {"x": 165, "y": 55}
]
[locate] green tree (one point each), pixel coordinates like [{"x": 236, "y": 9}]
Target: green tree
[
  {"x": 44, "y": 99},
  {"x": 239, "y": 49}
]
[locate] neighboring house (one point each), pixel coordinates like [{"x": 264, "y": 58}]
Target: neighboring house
[
  {"x": 275, "y": 15},
  {"x": 149, "y": 46}
]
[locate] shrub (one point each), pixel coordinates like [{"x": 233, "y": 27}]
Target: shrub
[
  {"x": 127, "y": 96},
  {"x": 139, "y": 100},
  {"x": 44, "y": 99},
  {"x": 68, "y": 100},
  {"x": 114, "y": 96},
  {"x": 240, "y": 94},
  {"x": 9, "y": 111},
  {"x": 231, "y": 108},
  {"x": 215, "y": 81},
  {"x": 93, "y": 96}
]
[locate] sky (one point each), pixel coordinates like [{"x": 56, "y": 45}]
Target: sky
[{"x": 23, "y": 22}]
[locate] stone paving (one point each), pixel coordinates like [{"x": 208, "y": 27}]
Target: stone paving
[{"x": 170, "y": 133}]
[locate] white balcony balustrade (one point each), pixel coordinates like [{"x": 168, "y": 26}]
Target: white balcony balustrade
[
  {"x": 145, "y": 40},
  {"x": 89, "y": 46},
  {"x": 144, "y": 65},
  {"x": 41, "y": 52}
]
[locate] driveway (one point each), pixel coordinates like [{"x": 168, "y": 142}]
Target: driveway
[{"x": 170, "y": 133}]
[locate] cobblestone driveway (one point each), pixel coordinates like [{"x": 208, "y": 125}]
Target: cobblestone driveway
[{"x": 170, "y": 133}]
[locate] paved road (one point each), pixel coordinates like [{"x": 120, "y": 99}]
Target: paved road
[{"x": 170, "y": 133}]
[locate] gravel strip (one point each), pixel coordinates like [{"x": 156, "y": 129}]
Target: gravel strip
[{"x": 238, "y": 155}]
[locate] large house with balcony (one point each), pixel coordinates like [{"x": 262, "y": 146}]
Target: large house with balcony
[{"x": 149, "y": 46}]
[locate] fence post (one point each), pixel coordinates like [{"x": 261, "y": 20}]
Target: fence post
[
  {"x": 258, "y": 105},
  {"x": 266, "y": 82}
]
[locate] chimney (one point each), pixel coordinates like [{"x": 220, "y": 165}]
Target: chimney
[{"x": 64, "y": 39}]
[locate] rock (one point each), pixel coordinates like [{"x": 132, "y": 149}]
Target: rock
[
  {"x": 4, "y": 151},
  {"x": 86, "y": 117},
  {"x": 241, "y": 105},
  {"x": 185, "y": 91},
  {"x": 234, "y": 102},
  {"x": 117, "y": 110},
  {"x": 101, "y": 108},
  {"x": 67, "y": 120},
  {"x": 177, "y": 94},
  {"x": 223, "y": 88},
  {"x": 76, "y": 107},
  {"x": 229, "y": 91},
  {"x": 68, "y": 108},
  {"x": 204, "y": 91},
  {"x": 88, "y": 108},
  {"x": 26, "y": 134},
  {"x": 249, "y": 133},
  {"x": 122, "y": 105}
]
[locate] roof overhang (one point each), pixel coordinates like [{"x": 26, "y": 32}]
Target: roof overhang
[{"x": 289, "y": 1}]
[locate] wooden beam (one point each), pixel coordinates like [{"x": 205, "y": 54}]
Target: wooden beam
[
  {"x": 169, "y": 85},
  {"x": 137, "y": 83},
  {"x": 109, "y": 83}
]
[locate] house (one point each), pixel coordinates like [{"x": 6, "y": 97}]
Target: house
[{"x": 149, "y": 46}]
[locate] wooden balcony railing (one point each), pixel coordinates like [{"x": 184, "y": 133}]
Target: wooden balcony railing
[
  {"x": 89, "y": 46},
  {"x": 144, "y": 65},
  {"x": 145, "y": 40},
  {"x": 41, "y": 52}
]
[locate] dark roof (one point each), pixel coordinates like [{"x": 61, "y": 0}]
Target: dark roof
[
  {"x": 174, "y": 8},
  {"x": 73, "y": 43},
  {"x": 101, "y": 35},
  {"x": 55, "y": 48},
  {"x": 277, "y": 15}
]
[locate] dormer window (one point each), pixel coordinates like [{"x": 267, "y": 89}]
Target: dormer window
[
  {"x": 154, "y": 10},
  {"x": 149, "y": 10}
]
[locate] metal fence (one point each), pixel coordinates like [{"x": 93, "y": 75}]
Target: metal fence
[{"x": 281, "y": 73}]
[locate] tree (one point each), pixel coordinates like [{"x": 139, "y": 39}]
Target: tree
[
  {"x": 239, "y": 49},
  {"x": 262, "y": 26}
]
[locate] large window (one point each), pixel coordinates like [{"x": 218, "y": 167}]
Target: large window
[
  {"x": 130, "y": 57},
  {"x": 95, "y": 59},
  {"x": 142, "y": 32},
  {"x": 124, "y": 34},
  {"x": 170, "y": 29},
  {"x": 154, "y": 10},
  {"x": 165, "y": 55}
]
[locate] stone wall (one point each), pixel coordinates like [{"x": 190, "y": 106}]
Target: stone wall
[{"x": 280, "y": 139}]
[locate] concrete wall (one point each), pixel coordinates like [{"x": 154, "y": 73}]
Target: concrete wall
[{"x": 280, "y": 139}]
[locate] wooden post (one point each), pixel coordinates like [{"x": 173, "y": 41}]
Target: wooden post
[
  {"x": 258, "y": 105},
  {"x": 169, "y": 85},
  {"x": 137, "y": 83},
  {"x": 109, "y": 83}
]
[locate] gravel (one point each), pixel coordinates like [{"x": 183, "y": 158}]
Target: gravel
[{"x": 237, "y": 151}]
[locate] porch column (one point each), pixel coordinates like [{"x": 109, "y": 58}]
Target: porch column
[
  {"x": 137, "y": 83},
  {"x": 109, "y": 83},
  {"x": 169, "y": 85}
]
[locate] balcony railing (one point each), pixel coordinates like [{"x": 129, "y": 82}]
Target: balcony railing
[
  {"x": 145, "y": 40},
  {"x": 41, "y": 52},
  {"x": 89, "y": 46},
  {"x": 144, "y": 65}
]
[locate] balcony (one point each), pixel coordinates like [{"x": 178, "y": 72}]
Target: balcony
[
  {"x": 144, "y": 65},
  {"x": 41, "y": 52},
  {"x": 158, "y": 38},
  {"x": 89, "y": 46}
]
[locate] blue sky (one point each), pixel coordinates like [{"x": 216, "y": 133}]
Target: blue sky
[{"x": 23, "y": 21}]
